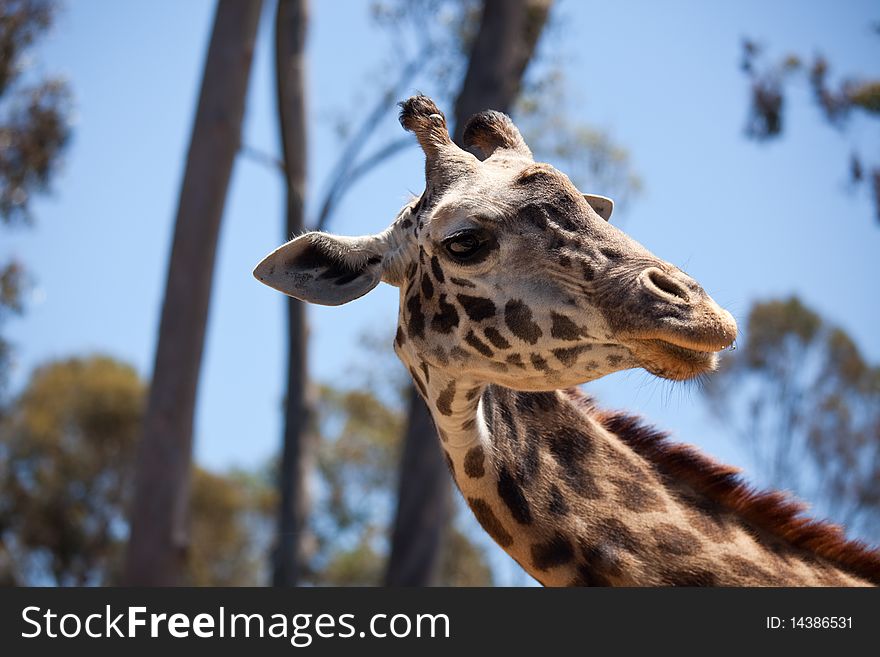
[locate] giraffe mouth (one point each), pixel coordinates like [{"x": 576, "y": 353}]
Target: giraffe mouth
[
  {"x": 676, "y": 359},
  {"x": 681, "y": 350}
]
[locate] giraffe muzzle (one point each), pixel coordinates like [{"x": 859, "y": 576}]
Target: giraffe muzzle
[{"x": 681, "y": 329}]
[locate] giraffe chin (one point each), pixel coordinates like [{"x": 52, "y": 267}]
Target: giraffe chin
[{"x": 673, "y": 361}]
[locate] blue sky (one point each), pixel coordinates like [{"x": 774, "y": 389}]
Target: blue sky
[{"x": 748, "y": 221}]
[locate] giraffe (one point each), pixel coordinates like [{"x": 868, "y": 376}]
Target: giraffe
[{"x": 514, "y": 288}]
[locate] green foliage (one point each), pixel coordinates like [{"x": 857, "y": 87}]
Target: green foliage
[
  {"x": 865, "y": 96},
  {"x": 67, "y": 449},
  {"x": 357, "y": 454},
  {"x": 21, "y": 23},
  {"x": 837, "y": 103},
  {"x": 33, "y": 114},
  {"x": 229, "y": 530},
  {"x": 440, "y": 33},
  {"x": 431, "y": 40},
  {"x": 802, "y": 397},
  {"x": 359, "y": 450},
  {"x": 34, "y": 130},
  {"x": 463, "y": 563}
]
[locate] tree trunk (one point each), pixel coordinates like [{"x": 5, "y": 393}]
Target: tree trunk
[
  {"x": 500, "y": 54},
  {"x": 424, "y": 502},
  {"x": 509, "y": 31},
  {"x": 298, "y": 449},
  {"x": 159, "y": 533}
]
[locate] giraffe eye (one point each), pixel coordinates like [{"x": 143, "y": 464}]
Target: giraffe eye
[{"x": 464, "y": 246}]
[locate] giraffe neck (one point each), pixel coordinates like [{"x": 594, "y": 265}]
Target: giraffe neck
[{"x": 574, "y": 505}]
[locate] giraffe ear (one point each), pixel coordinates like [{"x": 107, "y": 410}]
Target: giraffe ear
[
  {"x": 603, "y": 205},
  {"x": 324, "y": 269}
]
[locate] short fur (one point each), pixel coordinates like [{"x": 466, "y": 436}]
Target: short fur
[{"x": 771, "y": 511}]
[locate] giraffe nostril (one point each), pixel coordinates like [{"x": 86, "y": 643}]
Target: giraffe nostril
[{"x": 661, "y": 284}]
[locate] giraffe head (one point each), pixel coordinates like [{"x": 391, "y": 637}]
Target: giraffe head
[{"x": 507, "y": 273}]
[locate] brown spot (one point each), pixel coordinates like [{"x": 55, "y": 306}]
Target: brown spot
[
  {"x": 535, "y": 402},
  {"x": 553, "y": 552},
  {"x": 511, "y": 493},
  {"x": 495, "y": 337},
  {"x": 611, "y": 252},
  {"x": 528, "y": 460},
  {"x": 536, "y": 215},
  {"x": 516, "y": 359},
  {"x": 436, "y": 269},
  {"x": 747, "y": 570},
  {"x": 518, "y": 317},
  {"x": 461, "y": 282},
  {"x": 426, "y": 372},
  {"x": 539, "y": 363},
  {"x": 442, "y": 434},
  {"x": 467, "y": 425},
  {"x": 399, "y": 337},
  {"x": 614, "y": 360},
  {"x": 674, "y": 540},
  {"x": 614, "y": 531},
  {"x": 427, "y": 286},
  {"x": 589, "y": 272},
  {"x": 635, "y": 496},
  {"x": 563, "y": 328},
  {"x": 570, "y": 448},
  {"x": 696, "y": 577},
  {"x": 708, "y": 519},
  {"x": 477, "y": 308},
  {"x": 473, "y": 462},
  {"x": 478, "y": 344},
  {"x": 457, "y": 353},
  {"x": 489, "y": 521},
  {"x": 557, "y": 505},
  {"x": 569, "y": 355},
  {"x": 505, "y": 418},
  {"x": 444, "y": 399},
  {"x": 473, "y": 392},
  {"x": 826, "y": 575},
  {"x": 587, "y": 576},
  {"x": 584, "y": 484},
  {"x": 628, "y": 465},
  {"x": 564, "y": 261},
  {"x": 601, "y": 558},
  {"x": 416, "y": 325},
  {"x": 447, "y": 317}
]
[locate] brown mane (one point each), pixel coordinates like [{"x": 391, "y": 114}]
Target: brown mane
[{"x": 772, "y": 511}]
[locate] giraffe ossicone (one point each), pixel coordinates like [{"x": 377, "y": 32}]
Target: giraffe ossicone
[{"x": 514, "y": 288}]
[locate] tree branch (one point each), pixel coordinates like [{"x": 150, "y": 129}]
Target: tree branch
[
  {"x": 263, "y": 158},
  {"x": 345, "y": 164},
  {"x": 355, "y": 173}
]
